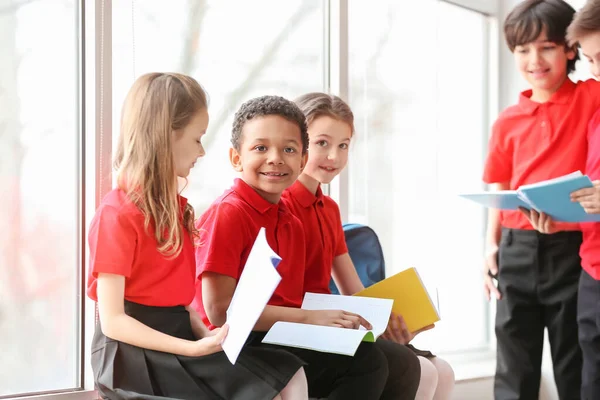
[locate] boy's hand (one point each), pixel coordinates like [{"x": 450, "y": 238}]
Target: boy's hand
[
  {"x": 540, "y": 221},
  {"x": 210, "y": 344},
  {"x": 491, "y": 268},
  {"x": 398, "y": 332},
  {"x": 589, "y": 198},
  {"x": 337, "y": 318}
]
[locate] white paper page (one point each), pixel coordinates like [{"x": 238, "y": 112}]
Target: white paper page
[
  {"x": 554, "y": 180},
  {"x": 376, "y": 311},
  {"x": 315, "y": 337},
  {"x": 255, "y": 287}
]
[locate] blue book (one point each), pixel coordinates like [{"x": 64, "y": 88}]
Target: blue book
[
  {"x": 552, "y": 197},
  {"x": 502, "y": 199}
]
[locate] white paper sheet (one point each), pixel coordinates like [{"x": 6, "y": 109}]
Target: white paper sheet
[
  {"x": 326, "y": 339},
  {"x": 255, "y": 287}
]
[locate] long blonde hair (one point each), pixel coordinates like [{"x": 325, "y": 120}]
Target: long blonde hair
[{"x": 157, "y": 104}]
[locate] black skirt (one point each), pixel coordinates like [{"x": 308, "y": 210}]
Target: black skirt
[
  {"x": 422, "y": 353},
  {"x": 123, "y": 371}
]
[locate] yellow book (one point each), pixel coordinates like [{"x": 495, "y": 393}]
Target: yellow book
[{"x": 411, "y": 299}]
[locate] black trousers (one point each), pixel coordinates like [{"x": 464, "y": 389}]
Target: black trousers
[
  {"x": 339, "y": 377},
  {"x": 588, "y": 319},
  {"x": 538, "y": 278},
  {"x": 404, "y": 371}
]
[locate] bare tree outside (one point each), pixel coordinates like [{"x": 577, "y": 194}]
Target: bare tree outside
[{"x": 220, "y": 33}]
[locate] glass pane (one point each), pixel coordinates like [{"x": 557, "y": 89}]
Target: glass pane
[
  {"x": 235, "y": 49},
  {"x": 39, "y": 245},
  {"x": 420, "y": 139}
]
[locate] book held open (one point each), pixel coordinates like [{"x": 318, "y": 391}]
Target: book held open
[
  {"x": 332, "y": 339},
  {"x": 551, "y": 197}
]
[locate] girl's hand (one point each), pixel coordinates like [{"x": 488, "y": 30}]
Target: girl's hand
[
  {"x": 589, "y": 198},
  {"x": 210, "y": 344},
  {"x": 540, "y": 221},
  {"x": 398, "y": 332},
  {"x": 337, "y": 318}
]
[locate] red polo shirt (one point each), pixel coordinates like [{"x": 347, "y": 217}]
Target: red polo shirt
[
  {"x": 323, "y": 233},
  {"x": 228, "y": 230},
  {"x": 119, "y": 244},
  {"x": 590, "y": 248},
  {"x": 532, "y": 141}
]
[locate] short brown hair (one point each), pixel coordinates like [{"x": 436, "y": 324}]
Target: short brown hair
[
  {"x": 317, "y": 104},
  {"x": 530, "y": 18},
  {"x": 586, "y": 21}
]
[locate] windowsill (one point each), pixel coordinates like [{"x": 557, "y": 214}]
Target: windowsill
[
  {"x": 472, "y": 365},
  {"x": 466, "y": 365},
  {"x": 75, "y": 395}
]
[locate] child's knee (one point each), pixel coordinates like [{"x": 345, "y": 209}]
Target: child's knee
[
  {"x": 429, "y": 380},
  {"x": 403, "y": 363},
  {"x": 297, "y": 387},
  {"x": 429, "y": 373},
  {"x": 369, "y": 358},
  {"x": 445, "y": 373},
  {"x": 406, "y": 369},
  {"x": 414, "y": 369}
]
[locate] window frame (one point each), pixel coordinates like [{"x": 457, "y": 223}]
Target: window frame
[
  {"x": 96, "y": 74},
  {"x": 486, "y": 7}
]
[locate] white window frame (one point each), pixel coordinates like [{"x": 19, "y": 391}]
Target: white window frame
[
  {"x": 487, "y": 7},
  {"x": 97, "y": 104},
  {"x": 337, "y": 83}
]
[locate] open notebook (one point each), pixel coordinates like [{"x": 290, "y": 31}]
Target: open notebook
[
  {"x": 331, "y": 339},
  {"x": 551, "y": 197}
]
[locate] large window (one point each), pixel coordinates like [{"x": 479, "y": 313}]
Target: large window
[
  {"x": 418, "y": 87},
  {"x": 417, "y": 83},
  {"x": 234, "y": 56},
  {"x": 39, "y": 209}
]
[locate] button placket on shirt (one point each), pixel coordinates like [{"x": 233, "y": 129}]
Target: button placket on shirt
[
  {"x": 320, "y": 208},
  {"x": 544, "y": 122}
]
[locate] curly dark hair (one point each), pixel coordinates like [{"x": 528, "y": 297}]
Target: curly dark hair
[
  {"x": 268, "y": 105},
  {"x": 531, "y": 17}
]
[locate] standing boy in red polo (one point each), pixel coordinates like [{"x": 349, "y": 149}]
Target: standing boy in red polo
[
  {"x": 269, "y": 144},
  {"x": 585, "y": 30},
  {"x": 541, "y": 137}
]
